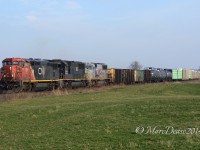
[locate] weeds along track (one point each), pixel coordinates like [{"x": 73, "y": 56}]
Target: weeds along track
[{"x": 6, "y": 96}]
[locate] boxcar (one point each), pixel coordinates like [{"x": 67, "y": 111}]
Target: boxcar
[
  {"x": 194, "y": 75},
  {"x": 125, "y": 76},
  {"x": 186, "y": 74},
  {"x": 198, "y": 74},
  {"x": 115, "y": 75}
]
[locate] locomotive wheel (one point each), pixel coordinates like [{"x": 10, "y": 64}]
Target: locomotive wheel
[
  {"x": 61, "y": 84},
  {"x": 8, "y": 91},
  {"x": 28, "y": 87},
  {"x": 17, "y": 89}
]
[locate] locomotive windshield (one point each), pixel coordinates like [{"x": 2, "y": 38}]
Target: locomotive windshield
[
  {"x": 6, "y": 63},
  {"x": 88, "y": 67}
]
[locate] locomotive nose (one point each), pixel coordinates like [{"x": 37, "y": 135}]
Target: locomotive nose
[{"x": 8, "y": 73}]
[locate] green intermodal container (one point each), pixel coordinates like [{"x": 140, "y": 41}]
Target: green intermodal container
[
  {"x": 139, "y": 76},
  {"x": 174, "y": 74},
  {"x": 180, "y": 74},
  {"x": 177, "y": 74}
]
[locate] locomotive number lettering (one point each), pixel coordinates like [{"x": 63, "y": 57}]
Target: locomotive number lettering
[{"x": 40, "y": 70}]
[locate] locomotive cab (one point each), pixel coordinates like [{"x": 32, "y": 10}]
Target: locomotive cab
[{"x": 15, "y": 69}]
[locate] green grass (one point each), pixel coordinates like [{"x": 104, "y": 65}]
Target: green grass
[{"x": 103, "y": 120}]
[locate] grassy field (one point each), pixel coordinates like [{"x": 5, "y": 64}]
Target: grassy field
[{"x": 105, "y": 119}]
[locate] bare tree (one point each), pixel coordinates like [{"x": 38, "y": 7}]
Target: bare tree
[{"x": 136, "y": 65}]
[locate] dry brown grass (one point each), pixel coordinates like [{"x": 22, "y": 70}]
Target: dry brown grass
[{"x": 28, "y": 95}]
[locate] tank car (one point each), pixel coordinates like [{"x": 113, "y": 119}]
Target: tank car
[
  {"x": 162, "y": 74},
  {"x": 169, "y": 74},
  {"x": 151, "y": 75}
]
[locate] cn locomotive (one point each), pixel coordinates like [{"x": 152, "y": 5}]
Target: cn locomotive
[{"x": 20, "y": 74}]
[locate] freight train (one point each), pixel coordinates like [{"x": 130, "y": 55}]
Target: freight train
[{"x": 19, "y": 74}]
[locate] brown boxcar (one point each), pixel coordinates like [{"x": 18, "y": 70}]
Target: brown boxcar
[
  {"x": 127, "y": 76},
  {"x": 186, "y": 74},
  {"x": 118, "y": 76}
]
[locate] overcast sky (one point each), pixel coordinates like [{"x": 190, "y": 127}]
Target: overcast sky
[{"x": 157, "y": 33}]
